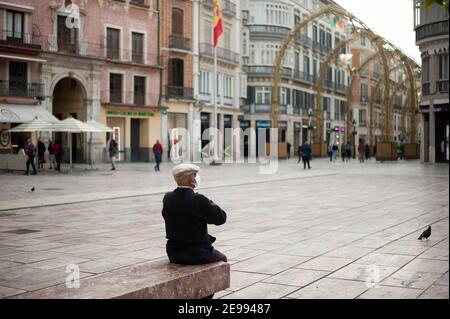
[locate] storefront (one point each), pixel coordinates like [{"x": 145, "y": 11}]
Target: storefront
[{"x": 135, "y": 133}]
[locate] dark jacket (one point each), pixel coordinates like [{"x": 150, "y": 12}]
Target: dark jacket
[
  {"x": 186, "y": 215},
  {"x": 307, "y": 151},
  {"x": 41, "y": 149}
]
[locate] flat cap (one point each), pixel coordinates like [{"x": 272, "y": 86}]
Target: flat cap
[{"x": 182, "y": 169}]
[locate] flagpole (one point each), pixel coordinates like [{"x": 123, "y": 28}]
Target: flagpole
[{"x": 216, "y": 148}]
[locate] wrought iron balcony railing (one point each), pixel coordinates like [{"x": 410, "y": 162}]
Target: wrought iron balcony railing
[
  {"x": 222, "y": 54},
  {"x": 180, "y": 92},
  {"x": 179, "y": 42},
  {"x": 22, "y": 89}
]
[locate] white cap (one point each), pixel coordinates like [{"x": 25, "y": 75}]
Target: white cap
[{"x": 183, "y": 169}]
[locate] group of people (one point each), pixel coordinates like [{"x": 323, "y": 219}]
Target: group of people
[
  {"x": 55, "y": 151},
  {"x": 114, "y": 152}
]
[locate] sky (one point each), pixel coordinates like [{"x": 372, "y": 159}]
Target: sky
[{"x": 392, "y": 19}]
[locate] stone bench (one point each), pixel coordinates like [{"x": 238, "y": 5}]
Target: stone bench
[{"x": 148, "y": 280}]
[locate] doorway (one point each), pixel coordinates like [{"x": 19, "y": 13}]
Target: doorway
[{"x": 135, "y": 139}]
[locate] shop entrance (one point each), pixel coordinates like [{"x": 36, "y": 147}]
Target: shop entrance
[
  {"x": 69, "y": 100},
  {"x": 135, "y": 140}
]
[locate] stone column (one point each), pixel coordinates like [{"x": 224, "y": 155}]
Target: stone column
[{"x": 432, "y": 136}]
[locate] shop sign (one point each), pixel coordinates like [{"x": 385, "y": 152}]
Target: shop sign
[
  {"x": 130, "y": 113},
  {"x": 263, "y": 124}
]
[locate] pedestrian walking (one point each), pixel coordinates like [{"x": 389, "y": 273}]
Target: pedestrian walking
[
  {"x": 59, "y": 153},
  {"x": 113, "y": 152},
  {"x": 343, "y": 152},
  {"x": 361, "y": 151},
  {"x": 335, "y": 152},
  {"x": 288, "y": 150},
  {"x": 31, "y": 152},
  {"x": 306, "y": 155},
  {"x": 51, "y": 153},
  {"x": 348, "y": 150},
  {"x": 41, "y": 152},
  {"x": 158, "y": 151},
  {"x": 367, "y": 152},
  {"x": 330, "y": 152}
]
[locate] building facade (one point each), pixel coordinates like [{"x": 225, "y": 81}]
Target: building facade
[
  {"x": 266, "y": 24},
  {"x": 231, "y": 80},
  {"x": 431, "y": 26},
  {"x": 101, "y": 63},
  {"x": 369, "y": 89}
]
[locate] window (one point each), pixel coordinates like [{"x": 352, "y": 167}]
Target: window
[
  {"x": 227, "y": 38},
  {"x": 283, "y": 96},
  {"x": 262, "y": 95},
  {"x": 417, "y": 12},
  {"x": 364, "y": 95},
  {"x": 363, "y": 40},
  {"x": 306, "y": 64},
  {"x": 279, "y": 15},
  {"x": 176, "y": 72},
  {"x": 227, "y": 86},
  {"x": 67, "y": 38},
  {"x": 205, "y": 78},
  {"x": 139, "y": 90},
  {"x": 315, "y": 33},
  {"x": 14, "y": 26},
  {"x": 426, "y": 69},
  {"x": 115, "y": 88},
  {"x": 177, "y": 21},
  {"x": 245, "y": 43},
  {"x": 362, "y": 117},
  {"x": 112, "y": 43},
  {"x": 337, "y": 115},
  {"x": 17, "y": 78},
  {"x": 243, "y": 85},
  {"x": 207, "y": 32},
  {"x": 443, "y": 67},
  {"x": 137, "y": 47}
]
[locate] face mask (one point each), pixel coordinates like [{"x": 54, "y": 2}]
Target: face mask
[{"x": 197, "y": 180}]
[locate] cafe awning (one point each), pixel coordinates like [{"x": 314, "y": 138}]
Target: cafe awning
[{"x": 17, "y": 113}]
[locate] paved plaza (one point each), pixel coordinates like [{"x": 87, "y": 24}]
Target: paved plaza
[{"x": 340, "y": 230}]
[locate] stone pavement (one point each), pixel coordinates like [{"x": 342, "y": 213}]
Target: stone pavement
[{"x": 341, "y": 230}]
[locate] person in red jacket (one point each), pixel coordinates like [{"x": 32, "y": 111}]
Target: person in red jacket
[{"x": 158, "y": 151}]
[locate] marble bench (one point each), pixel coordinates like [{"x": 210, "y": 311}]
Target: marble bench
[{"x": 148, "y": 280}]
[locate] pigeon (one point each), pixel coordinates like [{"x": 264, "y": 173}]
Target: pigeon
[
  {"x": 32, "y": 189},
  {"x": 425, "y": 234}
]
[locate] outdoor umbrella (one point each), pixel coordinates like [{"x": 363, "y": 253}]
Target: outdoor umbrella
[
  {"x": 71, "y": 125},
  {"x": 35, "y": 125}
]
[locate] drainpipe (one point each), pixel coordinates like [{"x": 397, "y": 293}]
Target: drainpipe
[{"x": 159, "y": 54}]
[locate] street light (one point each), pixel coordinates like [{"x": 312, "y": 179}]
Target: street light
[
  {"x": 354, "y": 138},
  {"x": 310, "y": 115}
]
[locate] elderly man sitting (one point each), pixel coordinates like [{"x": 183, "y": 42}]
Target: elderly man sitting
[{"x": 186, "y": 215}]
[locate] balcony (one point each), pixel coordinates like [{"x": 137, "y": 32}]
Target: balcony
[
  {"x": 340, "y": 88},
  {"x": 180, "y": 92},
  {"x": 319, "y": 47},
  {"x": 22, "y": 89},
  {"x": 364, "y": 99},
  {"x": 329, "y": 84},
  {"x": 302, "y": 76},
  {"x": 179, "y": 42},
  {"x": 442, "y": 86},
  {"x": 99, "y": 51},
  {"x": 129, "y": 98},
  {"x": 223, "y": 55},
  {"x": 268, "y": 30},
  {"x": 20, "y": 41},
  {"x": 266, "y": 71},
  {"x": 305, "y": 40},
  {"x": 432, "y": 30},
  {"x": 228, "y": 7},
  {"x": 363, "y": 124}
]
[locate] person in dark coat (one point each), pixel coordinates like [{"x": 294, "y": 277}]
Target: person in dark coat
[
  {"x": 300, "y": 153},
  {"x": 306, "y": 156},
  {"x": 186, "y": 215},
  {"x": 51, "y": 153},
  {"x": 31, "y": 152},
  {"x": 288, "y": 145},
  {"x": 41, "y": 152},
  {"x": 158, "y": 151},
  {"x": 367, "y": 151}
]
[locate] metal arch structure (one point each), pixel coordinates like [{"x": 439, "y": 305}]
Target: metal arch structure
[
  {"x": 330, "y": 9},
  {"x": 381, "y": 44}
]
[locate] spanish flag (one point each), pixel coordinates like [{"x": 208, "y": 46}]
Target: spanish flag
[{"x": 217, "y": 22}]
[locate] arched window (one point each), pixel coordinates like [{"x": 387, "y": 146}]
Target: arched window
[{"x": 177, "y": 21}]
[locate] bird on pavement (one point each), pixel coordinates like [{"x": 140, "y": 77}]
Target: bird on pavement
[
  {"x": 32, "y": 189},
  {"x": 425, "y": 234}
]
